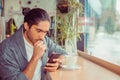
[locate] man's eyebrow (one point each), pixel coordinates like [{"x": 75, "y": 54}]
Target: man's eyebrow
[{"x": 41, "y": 30}]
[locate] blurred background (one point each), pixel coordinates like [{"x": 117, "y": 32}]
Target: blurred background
[{"x": 98, "y": 24}]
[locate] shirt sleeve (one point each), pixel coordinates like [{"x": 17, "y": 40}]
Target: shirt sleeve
[{"x": 52, "y": 47}]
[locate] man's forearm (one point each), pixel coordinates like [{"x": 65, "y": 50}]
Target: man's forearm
[{"x": 30, "y": 68}]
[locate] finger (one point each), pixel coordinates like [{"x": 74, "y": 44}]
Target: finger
[
  {"x": 56, "y": 60},
  {"x": 38, "y": 43},
  {"x": 50, "y": 68},
  {"x": 53, "y": 53},
  {"x": 41, "y": 42},
  {"x": 52, "y": 64},
  {"x": 44, "y": 47}
]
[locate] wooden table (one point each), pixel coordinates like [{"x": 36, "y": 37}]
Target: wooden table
[{"x": 88, "y": 71}]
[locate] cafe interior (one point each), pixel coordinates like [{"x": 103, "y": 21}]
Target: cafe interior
[{"x": 87, "y": 29}]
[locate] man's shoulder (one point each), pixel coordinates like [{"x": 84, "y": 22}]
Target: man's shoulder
[
  {"x": 5, "y": 44},
  {"x": 8, "y": 40},
  {"x": 12, "y": 39},
  {"x": 8, "y": 43}
]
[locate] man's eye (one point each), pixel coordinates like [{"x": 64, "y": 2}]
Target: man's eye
[{"x": 39, "y": 31}]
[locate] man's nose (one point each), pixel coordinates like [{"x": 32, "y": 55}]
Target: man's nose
[{"x": 42, "y": 35}]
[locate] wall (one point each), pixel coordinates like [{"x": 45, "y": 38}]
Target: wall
[{"x": 13, "y": 8}]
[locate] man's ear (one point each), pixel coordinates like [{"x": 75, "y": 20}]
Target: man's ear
[{"x": 26, "y": 27}]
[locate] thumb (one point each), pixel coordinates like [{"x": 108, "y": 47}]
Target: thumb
[{"x": 53, "y": 53}]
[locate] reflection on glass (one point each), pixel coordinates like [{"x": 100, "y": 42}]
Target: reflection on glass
[{"x": 103, "y": 36}]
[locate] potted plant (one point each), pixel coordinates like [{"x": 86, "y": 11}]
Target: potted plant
[{"x": 67, "y": 23}]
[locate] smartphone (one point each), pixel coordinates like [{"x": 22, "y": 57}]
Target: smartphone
[{"x": 53, "y": 56}]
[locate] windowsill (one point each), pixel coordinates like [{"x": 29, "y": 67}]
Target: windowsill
[{"x": 112, "y": 67}]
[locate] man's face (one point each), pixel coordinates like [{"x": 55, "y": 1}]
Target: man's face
[{"x": 36, "y": 32}]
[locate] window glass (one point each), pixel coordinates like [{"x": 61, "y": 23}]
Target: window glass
[{"x": 102, "y": 29}]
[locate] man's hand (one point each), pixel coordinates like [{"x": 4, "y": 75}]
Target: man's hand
[
  {"x": 52, "y": 66},
  {"x": 39, "y": 49}
]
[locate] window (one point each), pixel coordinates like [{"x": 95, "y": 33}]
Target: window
[{"x": 102, "y": 29}]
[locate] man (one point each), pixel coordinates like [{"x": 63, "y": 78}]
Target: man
[{"x": 23, "y": 56}]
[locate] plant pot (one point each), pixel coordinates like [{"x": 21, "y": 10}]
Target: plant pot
[{"x": 63, "y": 7}]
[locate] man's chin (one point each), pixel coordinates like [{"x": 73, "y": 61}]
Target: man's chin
[{"x": 34, "y": 42}]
